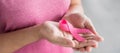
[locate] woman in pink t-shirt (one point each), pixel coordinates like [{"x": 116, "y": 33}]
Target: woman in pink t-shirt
[{"x": 31, "y": 26}]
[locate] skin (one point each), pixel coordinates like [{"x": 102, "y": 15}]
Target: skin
[
  {"x": 76, "y": 16},
  {"x": 12, "y": 41}
]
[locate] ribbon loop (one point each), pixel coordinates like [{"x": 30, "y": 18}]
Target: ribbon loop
[{"x": 66, "y": 26}]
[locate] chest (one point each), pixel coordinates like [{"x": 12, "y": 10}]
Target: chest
[{"x": 21, "y": 13}]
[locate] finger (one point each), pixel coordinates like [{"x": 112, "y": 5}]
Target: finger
[
  {"x": 82, "y": 50},
  {"x": 99, "y": 38},
  {"x": 95, "y": 45},
  {"x": 76, "y": 44},
  {"x": 88, "y": 49},
  {"x": 88, "y": 36},
  {"x": 85, "y": 43},
  {"x": 92, "y": 43},
  {"x": 89, "y": 25},
  {"x": 82, "y": 44},
  {"x": 76, "y": 49}
]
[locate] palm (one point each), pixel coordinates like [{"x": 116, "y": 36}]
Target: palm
[
  {"x": 76, "y": 20},
  {"x": 82, "y": 21}
]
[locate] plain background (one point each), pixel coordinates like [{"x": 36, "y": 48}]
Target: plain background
[{"x": 105, "y": 15}]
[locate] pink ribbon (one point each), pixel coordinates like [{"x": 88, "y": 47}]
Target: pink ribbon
[{"x": 66, "y": 26}]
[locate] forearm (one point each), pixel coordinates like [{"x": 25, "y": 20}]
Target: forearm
[
  {"x": 76, "y": 7},
  {"x": 10, "y": 42}
]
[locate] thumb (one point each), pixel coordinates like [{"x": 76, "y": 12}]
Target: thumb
[{"x": 91, "y": 27}]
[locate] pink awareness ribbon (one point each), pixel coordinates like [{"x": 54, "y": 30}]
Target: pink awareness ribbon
[{"x": 66, "y": 26}]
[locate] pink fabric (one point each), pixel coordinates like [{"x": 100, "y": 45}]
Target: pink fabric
[
  {"x": 66, "y": 26},
  {"x": 18, "y": 14}
]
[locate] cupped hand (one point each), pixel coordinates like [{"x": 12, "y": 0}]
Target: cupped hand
[
  {"x": 82, "y": 21},
  {"x": 50, "y": 31}
]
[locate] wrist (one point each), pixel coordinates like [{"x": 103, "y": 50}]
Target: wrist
[
  {"x": 76, "y": 9},
  {"x": 69, "y": 14},
  {"x": 35, "y": 31}
]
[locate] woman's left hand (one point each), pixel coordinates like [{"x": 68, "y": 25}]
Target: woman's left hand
[{"x": 82, "y": 21}]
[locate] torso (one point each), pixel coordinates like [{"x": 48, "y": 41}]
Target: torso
[{"x": 18, "y": 14}]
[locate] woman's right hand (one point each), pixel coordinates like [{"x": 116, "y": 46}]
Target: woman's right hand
[{"x": 50, "y": 31}]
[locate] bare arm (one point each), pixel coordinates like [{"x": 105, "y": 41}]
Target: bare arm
[
  {"x": 76, "y": 7},
  {"x": 10, "y": 42}
]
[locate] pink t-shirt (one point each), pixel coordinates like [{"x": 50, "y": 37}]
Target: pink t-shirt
[{"x": 18, "y": 14}]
